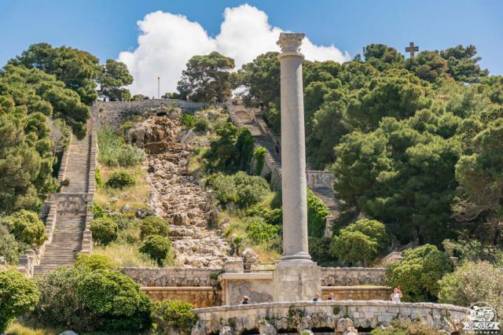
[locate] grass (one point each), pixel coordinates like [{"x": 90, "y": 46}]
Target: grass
[
  {"x": 135, "y": 196},
  {"x": 17, "y": 328},
  {"x": 125, "y": 255}
]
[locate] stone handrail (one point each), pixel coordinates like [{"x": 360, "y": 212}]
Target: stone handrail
[
  {"x": 87, "y": 239},
  {"x": 288, "y": 316},
  {"x": 349, "y": 276}
]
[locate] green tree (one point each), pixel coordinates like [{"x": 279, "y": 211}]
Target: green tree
[
  {"x": 419, "y": 272},
  {"x": 428, "y": 65},
  {"x": 104, "y": 230},
  {"x": 207, "y": 78},
  {"x": 463, "y": 63},
  {"x": 9, "y": 248},
  {"x": 26, "y": 227},
  {"x": 18, "y": 295},
  {"x": 360, "y": 242},
  {"x": 76, "y": 68},
  {"x": 382, "y": 56},
  {"x": 473, "y": 282},
  {"x": 172, "y": 316},
  {"x": 317, "y": 213},
  {"x": 114, "y": 76},
  {"x": 153, "y": 225},
  {"x": 262, "y": 80}
]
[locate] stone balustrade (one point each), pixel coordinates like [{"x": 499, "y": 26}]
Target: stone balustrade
[{"x": 325, "y": 315}]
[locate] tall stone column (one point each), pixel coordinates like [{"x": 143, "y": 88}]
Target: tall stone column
[{"x": 296, "y": 277}]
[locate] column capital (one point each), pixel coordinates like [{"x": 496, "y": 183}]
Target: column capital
[{"x": 290, "y": 43}]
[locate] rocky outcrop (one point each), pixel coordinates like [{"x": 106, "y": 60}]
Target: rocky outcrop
[{"x": 177, "y": 196}]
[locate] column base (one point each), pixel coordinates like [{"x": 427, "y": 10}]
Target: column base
[{"x": 296, "y": 280}]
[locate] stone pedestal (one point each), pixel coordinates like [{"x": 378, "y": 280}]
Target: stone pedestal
[{"x": 296, "y": 280}]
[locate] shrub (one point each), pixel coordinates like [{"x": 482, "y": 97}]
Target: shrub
[
  {"x": 188, "y": 120},
  {"x": 120, "y": 180},
  {"x": 173, "y": 316},
  {"x": 317, "y": 213},
  {"x": 153, "y": 225},
  {"x": 418, "y": 273},
  {"x": 18, "y": 295},
  {"x": 359, "y": 242},
  {"x": 104, "y": 230},
  {"x": 94, "y": 262},
  {"x": 240, "y": 188},
  {"x": 92, "y": 300},
  {"x": 98, "y": 177},
  {"x": 26, "y": 227},
  {"x": 201, "y": 124},
  {"x": 115, "y": 152},
  {"x": 473, "y": 250},
  {"x": 157, "y": 247},
  {"x": 319, "y": 249},
  {"x": 473, "y": 282},
  {"x": 258, "y": 231},
  {"x": 115, "y": 300},
  {"x": 9, "y": 248},
  {"x": 259, "y": 157}
]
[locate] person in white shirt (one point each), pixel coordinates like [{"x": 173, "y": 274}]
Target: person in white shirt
[{"x": 396, "y": 296}]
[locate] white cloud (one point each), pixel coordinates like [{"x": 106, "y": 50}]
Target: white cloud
[{"x": 167, "y": 41}]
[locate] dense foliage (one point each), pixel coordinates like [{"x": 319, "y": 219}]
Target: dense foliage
[
  {"x": 360, "y": 243},
  {"x": 206, "y": 78},
  {"x": 419, "y": 272},
  {"x": 471, "y": 283},
  {"x": 115, "y": 152},
  {"x": 120, "y": 179},
  {"x": 413, "y": 142},
  {"x": 92, "y": 296},
  {"x": 26, "y": 227},
  {"x": 104, "y": 230},
  {"x": 157, "y": 247},
  {"x": 173, "y": 316},
  {"x": 18, "y": 295}
]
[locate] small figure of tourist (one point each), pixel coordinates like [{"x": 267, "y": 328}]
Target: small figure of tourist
[
  {"x": 317, "y": 298},
  {"x": 396, "y": 296},
  {"x": 331, "y": 297},
  {"x": 245, "y": 300}
]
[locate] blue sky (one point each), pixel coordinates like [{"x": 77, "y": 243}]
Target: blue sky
[{"x": 107, "y": 27}]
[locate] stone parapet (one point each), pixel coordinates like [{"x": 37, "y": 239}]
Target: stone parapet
[
  {"x": 198, "y": 296},
  {"x": 326, "y": 315},
  {"x": 173, "y": 277},
  {"x": 351, "y": 276}
]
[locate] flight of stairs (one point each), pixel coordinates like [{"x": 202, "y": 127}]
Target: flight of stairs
[{"x": 67, "y": 238}]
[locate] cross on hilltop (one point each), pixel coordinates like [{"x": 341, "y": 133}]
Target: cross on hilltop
[{"x": 412, "y": 49}]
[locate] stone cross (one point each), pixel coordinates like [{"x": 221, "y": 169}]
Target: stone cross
[
  {"x": 296, "y": 277},
  {"x": 412, "y": 49}
]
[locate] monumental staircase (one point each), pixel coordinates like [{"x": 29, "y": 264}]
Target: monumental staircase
[{"x": 67, "y": 214}]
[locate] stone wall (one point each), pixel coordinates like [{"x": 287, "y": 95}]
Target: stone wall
[
  {"x": 198, "y": 296},
  {"x": 352, "y": 276},
  {"x": 173, "y": 277},
  {"x": 112, "y": 113},
  {"x": 325, "y": 315},
  {"x": 356, "y": 292}
]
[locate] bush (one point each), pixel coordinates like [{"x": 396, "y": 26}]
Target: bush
[
  {"x": 473, "y": 250},
  {"x": 26, "y": 227},
  {"x": 94, "y": 262},
  {"x": 153, "y": 225},
  {"x": 92, "y": 300},
  {"x": 317, "y": 213},
  {"x": 157, "y": 247},
  {"x": 104, "y": 230},
  {"x": 120, "y": 180},
  {"x": 173, "y": 316},
  {"x": 473, "y": 282},
  {"x": 360, "y": 242},
  {"x": 188, "y": 120},
  {"x": 115, "y": 152},
  {"x": 18, "y": 295},
  {"x": 201, "y": 125},
  {"x": 9, "y": 248},
  {"x": 258, "y": 231},
  {"x": 259, "y": 157},
  {"x": 115, "y": 300},
  {"x": 319, "y": 249},
  {"x": 419, "y": 272},
  {"x": 241, "y": 189}
]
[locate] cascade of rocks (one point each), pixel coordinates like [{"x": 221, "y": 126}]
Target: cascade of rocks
[{"x": 177, "y": 196}]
